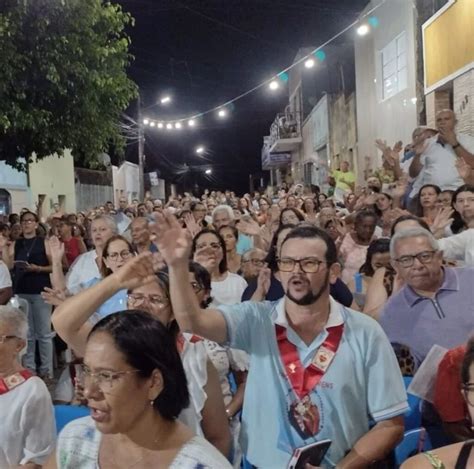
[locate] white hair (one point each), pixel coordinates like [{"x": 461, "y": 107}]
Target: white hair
[
  {"x": 109, "y": 220},
  {"x": 223, "y": 208},
  {"x": 15, "y": 318},
  {"x": 412, "y": 233},
  {"x": 246, "y": 255}
]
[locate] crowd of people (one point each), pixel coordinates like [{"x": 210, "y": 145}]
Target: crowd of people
[{"x": 213, "y": 331}]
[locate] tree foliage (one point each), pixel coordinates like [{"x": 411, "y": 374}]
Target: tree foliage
[{"x": 63, "y": 80}]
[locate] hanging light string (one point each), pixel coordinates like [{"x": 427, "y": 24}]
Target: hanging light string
[{"x": 224, "y": 106}]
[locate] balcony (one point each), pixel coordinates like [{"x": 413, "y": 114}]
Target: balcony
[
  {"x": 285, "y": 132},
  {"x": 273, "y": 160}
]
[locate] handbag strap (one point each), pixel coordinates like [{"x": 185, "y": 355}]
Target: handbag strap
[{"x": 464, "y": 454}]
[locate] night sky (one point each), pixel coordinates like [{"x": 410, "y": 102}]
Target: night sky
[{"x": 205, "y": 52}]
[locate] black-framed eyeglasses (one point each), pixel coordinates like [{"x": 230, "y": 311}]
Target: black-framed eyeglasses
[
  {"x": 468, "y": 390},
  {"x": 125, "y": 254},
  {"x": 255, "y": 262},
  {"x": 424, "y": 257},
  {"x": 4, "y": 338},
  {"x": 28, "y": 220},
  {"x": 308, "y": 265}
]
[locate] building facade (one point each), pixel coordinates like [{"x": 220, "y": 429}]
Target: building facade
[{"x": 448, "y": 53}]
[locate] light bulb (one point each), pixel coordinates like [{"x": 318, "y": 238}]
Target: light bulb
[
  {"x": 310, "y": 63},
  {"x": 199, "y": 150},
  {"x": 152, "y": 124},
  {"x": 191, "y": 122},
  {"x": 160, "y": 125},
  {"x": 146, "y": 121},
  {"x": 169, "y": 126},
  {"x": 178, "y": 125},
  {"x": 274, "y": 85},
  {"x": 222, "y": 113},
  {"x": 362, "y": 30}
]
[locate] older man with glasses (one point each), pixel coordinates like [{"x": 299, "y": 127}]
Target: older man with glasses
[{"x": 436, "y": 305}]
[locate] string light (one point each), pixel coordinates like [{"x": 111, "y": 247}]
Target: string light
[
  {"x": 160, "y": 125},
  {"x": 208, "y": 171},
  {"x": 274, "y": 85},
  {"x": 362, "y": 28},
  {"x": 177, "y": 125},
  {"x": 152, "y": 124}
]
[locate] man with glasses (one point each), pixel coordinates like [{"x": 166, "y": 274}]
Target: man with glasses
[
  {"x": 318, "y": 370},
  {"x": 252, "y": 263},
  {"x": 436, "y": 305}
]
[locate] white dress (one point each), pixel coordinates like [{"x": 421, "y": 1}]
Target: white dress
[
  {"x": 27, "y": 425},
  {"x": 79, "y": 443},
  {"x": 81, "y": 271}
]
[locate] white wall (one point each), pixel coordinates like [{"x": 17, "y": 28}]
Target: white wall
[
  {"x": 125, "y": 181},
  {"x": 16, "y": 183},
  {"x": 395, "y": 118}
]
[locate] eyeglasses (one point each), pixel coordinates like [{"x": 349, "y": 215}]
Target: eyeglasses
[
  {"x": 424, "y": 257},
  {"x": 138, "y": 299},
  {"x": 196, "y": 287},
  {"x": 115, "y": 255},
  {"x": 468, "y": 389},
  {"x": 215, "y": 246},
  {"x": 28, "y": 220},
  {"x": 105, "y": 380},
  {"x": 4, "y": 338},
  {"x": 255, "y": 262},
  {"x": 308, "y": 265}
]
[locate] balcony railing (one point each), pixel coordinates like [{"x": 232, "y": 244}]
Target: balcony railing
[{"x": 285, "y": 132}]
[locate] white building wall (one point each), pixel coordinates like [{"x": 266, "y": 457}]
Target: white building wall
[
  {"x": 16, "y": 183},
  {"x": 125, "y": 181},
  {"x": 395, "y": 118}
]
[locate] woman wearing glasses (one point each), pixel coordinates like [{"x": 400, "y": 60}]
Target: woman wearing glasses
[
  {"x": 27, "y": 429},
  {"x": 459, "y": 455},
  {"x": 149, "y": 292},
  {"x": 209, "y": 250},
  {"x": 136, "y": 388}
]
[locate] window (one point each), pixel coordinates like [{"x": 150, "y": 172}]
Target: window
[{"x": 394, "y": 67}]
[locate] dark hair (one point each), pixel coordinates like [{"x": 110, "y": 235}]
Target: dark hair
[
  {"x": 23, "y": 215},
  {"x": 376, "y": 209},
  {"x": 271, "y": 258},
  {"x": 193, "y": 205},
  {"x": 13, "y": 218},
  {"x": 234, "y": 230},
  {"x": 364, "y": 214},
  {"x": 315, "y": 202},
  {"x": 420, "y": 221},
  {"x": 104, "y": 270},
  {"x": 458, "y": 223},
  {"x": 290, "y": 209},
  {"x": 312, "y": 232},
  {"x": 377, "y": 246},
  {"x": 467, "y": 361},
  {"x": 147, "y": 345},
  {"x": 419, "y": 208},
  {"x": 223, "y": 264},
  {"x": 203, "y": 277}
]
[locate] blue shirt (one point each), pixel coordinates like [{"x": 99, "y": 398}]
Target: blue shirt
[
  {"x": 362, "y": 382},
  {"x": 116, "y": 303},
  {"x": 244, "y": 244},
  {"x": 420, "y": 322}
]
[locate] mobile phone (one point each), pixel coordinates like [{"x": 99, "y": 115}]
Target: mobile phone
[{"x": 310, "y": 454}]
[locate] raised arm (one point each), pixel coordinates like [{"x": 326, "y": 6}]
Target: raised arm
[{"x": 174, "y": 244}]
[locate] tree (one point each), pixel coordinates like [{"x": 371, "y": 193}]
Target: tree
[{"x": 63, "y": 80}]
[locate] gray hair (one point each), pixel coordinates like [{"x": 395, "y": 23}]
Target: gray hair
[
  {"x": 16, "y": 318},
  {"x": 246, "y": 255},
  {"x": 412, "y": 233},
  {"x": 224, "y": 208},
  {"x": 109, "y": 220}
]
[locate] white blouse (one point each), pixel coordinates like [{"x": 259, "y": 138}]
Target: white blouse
[
  {"x": 79, "y": 444},
  {"x": 228, "y": 291},
  {"x": 27, "y": 425}
]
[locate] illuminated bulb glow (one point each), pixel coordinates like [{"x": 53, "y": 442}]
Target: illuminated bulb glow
[
  {"x": 208, "y": 171},
  {"x": 146, "y": 121},
  {"x": 178, "y": 125},
  {"x": 274, "y": 85},
  {"x": 310, "y": 63},
  {"x": 199, "y": 150},
  {"x": 169, "y": 126},
  {"x": 191, "y": 123},
  {"x": 152, "y": 124},
  {"x": 160, "y": 125},
  {"x": 165, "y": 100},
  {"x": 362, "y": 30},
  {"x": 222, "y": 113}
]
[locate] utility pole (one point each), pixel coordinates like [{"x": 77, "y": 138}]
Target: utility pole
[{"x": 141, "y": 151}]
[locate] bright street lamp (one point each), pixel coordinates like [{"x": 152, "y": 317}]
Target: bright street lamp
[
  {"x": 222, "y": 113},
  {"x": 200, "y": 150},
  {"x": 208, "y": 171},
  {"x": 165, "y": 100}
]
